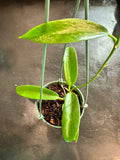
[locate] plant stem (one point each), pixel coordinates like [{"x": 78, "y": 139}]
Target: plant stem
[
  {"x": 61, "y": 68},
  {"x": 104, "y": 64},
  {"x": 63, "y": 89},
  {"x": 87, "y": 50},
  {"x": 113, "y": 38},
  {"x": 62, "y": 99},
  {"x": 74, "y": 15},
  {"x": 47, "y": 6},
  {"x": 76, "y": 8}
]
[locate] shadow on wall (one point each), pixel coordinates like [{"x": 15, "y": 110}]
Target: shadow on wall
[
  {"x": 30, "y": 2},
  {"x": 6, "y": 59},
  {"x": 117, "y": 16},
  {"x": 18, "y": 2}
]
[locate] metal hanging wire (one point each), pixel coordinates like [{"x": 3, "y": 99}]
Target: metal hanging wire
[
  {"x": 47, "y": 7},
  {"x": 87, "y": 50}
]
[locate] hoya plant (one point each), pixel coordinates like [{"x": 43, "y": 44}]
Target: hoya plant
[
  {"x": 71, "y": 106},
  {"x": 65, "y": 31}
]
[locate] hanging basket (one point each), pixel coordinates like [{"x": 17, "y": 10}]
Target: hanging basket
[{"x": 52, "y": 114}]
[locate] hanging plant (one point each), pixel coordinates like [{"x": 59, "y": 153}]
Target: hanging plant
[{"x": 64, "y": 95}]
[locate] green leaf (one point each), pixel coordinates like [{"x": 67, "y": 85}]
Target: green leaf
[
  {"x": 76, "y": 136},
  {"x": 70, "y": 66},
  {"x": 65, "y": 31},
  {"x": 71, "y": 117},
  {"x": 33, "y": 92}
]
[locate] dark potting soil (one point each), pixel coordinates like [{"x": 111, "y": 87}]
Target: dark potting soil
[{"x": 52, "y": 109}]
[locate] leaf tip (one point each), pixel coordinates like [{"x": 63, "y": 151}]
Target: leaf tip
[
  {"x": 17, "y": 90},
  {"x": 20, "y": 37},
  {"x": 23, "y": 36}
]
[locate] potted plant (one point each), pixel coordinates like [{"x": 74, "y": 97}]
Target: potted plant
[{"x": 61, "y": 103}]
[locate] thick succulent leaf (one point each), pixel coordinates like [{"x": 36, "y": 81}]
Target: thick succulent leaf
[
  {"x": 71, "y": 117},
  {"x": 70, "y": 66},
  {"x": 65, "y": 31},
  {"x": 33, "y": 92}
]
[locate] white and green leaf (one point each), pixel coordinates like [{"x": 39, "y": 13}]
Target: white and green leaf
[
  {"x": 71, "y": 117},
  {"x": 33, "y": 92},
  {"x": 65, "y": 31},
  {"x": 70, "y": 66}
]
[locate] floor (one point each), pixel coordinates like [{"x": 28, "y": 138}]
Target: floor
[{"x": 22, "y": 135}]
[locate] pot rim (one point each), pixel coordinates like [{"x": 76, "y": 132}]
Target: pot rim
[{"x": 76, "y": 89}]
